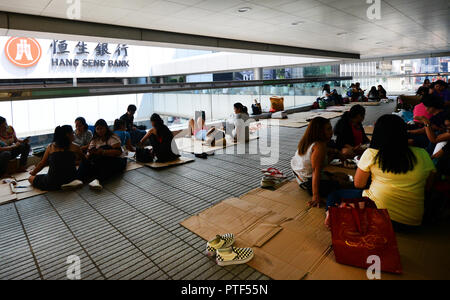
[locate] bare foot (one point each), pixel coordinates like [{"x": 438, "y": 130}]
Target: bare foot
[{"x": 327, "y": 222}]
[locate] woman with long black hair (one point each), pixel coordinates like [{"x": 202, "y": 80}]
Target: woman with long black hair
[
  {"x": 104, "y": 157},
  {"x": 399, "y": 174},
  {"x": 374, "y": 94},
  {"x": 311, "y": 157},
  {"x": 61, "y": 157},
  {"x": 161, "y": 139},
  {"x": 350, "y": 134}
]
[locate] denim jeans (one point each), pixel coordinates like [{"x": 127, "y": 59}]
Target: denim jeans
[{"x": 335, "y": 198}]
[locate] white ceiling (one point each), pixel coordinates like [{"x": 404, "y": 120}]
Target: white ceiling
[{"x": 405, "y": 27}]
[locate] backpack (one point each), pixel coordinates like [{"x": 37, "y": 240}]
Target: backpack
[{"x": 144, "y": 155}]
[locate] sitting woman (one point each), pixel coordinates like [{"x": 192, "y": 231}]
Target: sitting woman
[
  {"x": 373, "y": 94},
  {"x": 326, "y": 92},
  {"x": 382, "y": 94},
  {"x": 437, "y": 141},
  {"x": 311, "y": 158},
  {"x": 240, "y": 132},
  {"x": 61, "y": 157},
  {"x": 350, "y": 134},
  {"x": 83, "y": 135},
  {"x": 399, "y": 175},
  {"x": 11, "y": 147},
  {"x": 104, "y": 158},
  {"x": 120, "y": 129},
  {"x": 161, "y": 139}
]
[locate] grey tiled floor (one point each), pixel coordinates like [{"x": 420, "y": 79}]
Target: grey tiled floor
[{"x": 131, "y": 229}]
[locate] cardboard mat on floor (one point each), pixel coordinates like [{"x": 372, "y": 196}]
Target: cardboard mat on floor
[
  {"x": 7, "y": 195},
  {"x": 191, "y": 145},
  {"x": 291, "y": 242},
  {"x": 285, "y": 234},
  {"x": 301, "y": 119},
  {"x": 180, "y": 161}
]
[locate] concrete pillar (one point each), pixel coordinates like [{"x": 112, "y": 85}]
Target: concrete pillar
[
  {"x": 75, "y": 82},
  {"x": 258, "y": 74}
]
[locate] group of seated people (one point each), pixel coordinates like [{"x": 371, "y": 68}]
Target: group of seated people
[
  {"x": 356, "y": 94},
  {"x": 427, "y": 115},
  {"x": 392, "y": 171},
  {"x": 81, "y": 156}
]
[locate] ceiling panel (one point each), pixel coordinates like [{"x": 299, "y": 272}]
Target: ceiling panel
[{"x": 405, "y": 27}]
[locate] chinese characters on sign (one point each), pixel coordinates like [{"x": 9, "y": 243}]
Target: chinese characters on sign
[{"x": 102, "y": 55}]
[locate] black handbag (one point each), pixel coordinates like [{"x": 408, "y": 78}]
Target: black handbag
[
  {"x": 144, "y": 155},
  {"x": 256, "y": 109}
]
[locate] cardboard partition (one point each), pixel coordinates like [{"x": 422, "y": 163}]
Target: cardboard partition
[
  {"x": 288, "y": 237},
  {"x": 179, "y": 161}
]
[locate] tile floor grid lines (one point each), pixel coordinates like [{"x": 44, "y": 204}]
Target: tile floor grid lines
[
  {"x": 29, "y": 244},
  {"x": 136, "y": 218}
]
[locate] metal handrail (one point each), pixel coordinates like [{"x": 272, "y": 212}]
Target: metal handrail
[{"x": 33, "y": 93}]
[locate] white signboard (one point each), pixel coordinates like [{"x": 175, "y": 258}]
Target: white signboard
[{"x": 26, "y": 58}]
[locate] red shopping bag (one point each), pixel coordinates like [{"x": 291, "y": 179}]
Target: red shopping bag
[{"x": 358, "y": 233}]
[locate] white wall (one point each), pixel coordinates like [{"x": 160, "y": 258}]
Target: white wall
[{"x": 35, "y": 117}]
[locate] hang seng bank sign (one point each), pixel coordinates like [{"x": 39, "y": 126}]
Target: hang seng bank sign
[
  {"x": 39, "y": 58},
  {"x": 63, "y": 56}
]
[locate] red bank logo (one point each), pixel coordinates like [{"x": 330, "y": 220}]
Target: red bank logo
[{"x": 23, "y": 52}]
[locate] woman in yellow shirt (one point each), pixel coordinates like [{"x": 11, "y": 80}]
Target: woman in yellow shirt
[{"x": 399, "y": 174}]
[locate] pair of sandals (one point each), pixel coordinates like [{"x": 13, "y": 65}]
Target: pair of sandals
[{"x": 273, "y": 173}]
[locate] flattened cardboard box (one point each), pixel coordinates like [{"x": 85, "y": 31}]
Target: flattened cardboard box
[{"x": 286, "y": 236}]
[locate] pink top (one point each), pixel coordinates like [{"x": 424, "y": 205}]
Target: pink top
[{"x": 421, "y": 111}]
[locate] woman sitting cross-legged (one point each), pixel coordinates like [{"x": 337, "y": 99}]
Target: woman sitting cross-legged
[
  {"x": 61, "y": 156},
  {"x": 11, "y": 147},
  {"x": 161, "y": 139},
  {"x": 350, "y": 134},
  {"x": 399, "y": 175},
  {"x": 104, "y": 158},
  {"x": 312, "y": 157}
]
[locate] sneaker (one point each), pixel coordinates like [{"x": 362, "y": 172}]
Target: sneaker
[
  {"x": 72, "y": 185},
  {"x": 95, "y": 185},
  {"x": 234, "y": 256},
  {"x": 270, "y": 182},
  {"x": 221, "y": 241}
]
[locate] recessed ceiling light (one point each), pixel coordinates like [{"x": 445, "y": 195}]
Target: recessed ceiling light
[
  {"x": 297, "y": 23},
  {"x": 342, "y": 34},
  {"x": 362, "y": 39},
  {"x": 244, "y": 9},
  {"x": 379, "y": 43}
]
